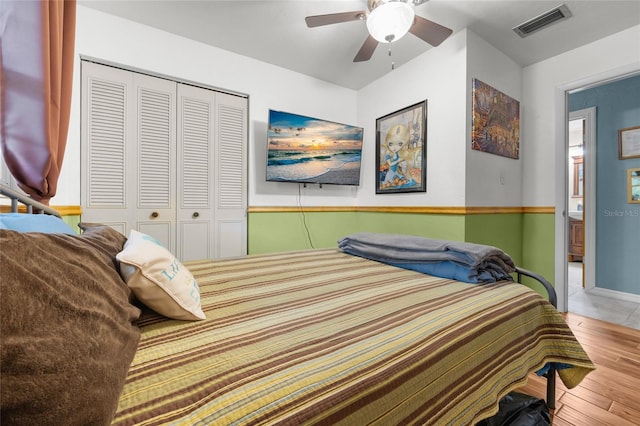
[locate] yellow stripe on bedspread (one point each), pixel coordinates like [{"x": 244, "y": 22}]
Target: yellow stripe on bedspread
[{"x": 322, "y": 337}]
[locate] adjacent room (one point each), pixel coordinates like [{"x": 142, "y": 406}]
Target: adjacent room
[{"x": 314, "y": 212}]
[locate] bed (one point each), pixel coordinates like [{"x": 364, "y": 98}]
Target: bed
[{"x": 306, "y": 337}]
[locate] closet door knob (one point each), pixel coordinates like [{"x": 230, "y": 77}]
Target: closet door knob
[
  {"x": 195, "y": 214},
  {"x": 154, "y": 215}
]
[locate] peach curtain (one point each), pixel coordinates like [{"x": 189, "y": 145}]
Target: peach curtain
[{"x": 36, "y": 62}]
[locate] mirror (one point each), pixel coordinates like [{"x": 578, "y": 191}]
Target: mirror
[{"x": 578, "y": 176}]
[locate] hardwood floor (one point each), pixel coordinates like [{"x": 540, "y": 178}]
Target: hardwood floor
[{"x": 610, "y": 395}]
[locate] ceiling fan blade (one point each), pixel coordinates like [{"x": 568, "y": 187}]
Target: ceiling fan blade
[
  {"x": 334, "y": 18},
  {"x": 429, "y": 31},
  {"x": 367, "y": 49}
]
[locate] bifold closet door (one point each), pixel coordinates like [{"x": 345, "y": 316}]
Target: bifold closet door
[
  {"x": 165, "y": 158},
  {"x": 212, "y": 139},
  {"x": 128, "y": 152}
]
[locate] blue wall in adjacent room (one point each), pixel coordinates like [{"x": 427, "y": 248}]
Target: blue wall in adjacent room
[{"x": 617, "y": 221}]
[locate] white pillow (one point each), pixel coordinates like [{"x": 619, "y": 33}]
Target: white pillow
[{"x": 158, "y": 279}]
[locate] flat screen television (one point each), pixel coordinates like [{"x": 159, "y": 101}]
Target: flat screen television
[{"x": 310, "y": 150}]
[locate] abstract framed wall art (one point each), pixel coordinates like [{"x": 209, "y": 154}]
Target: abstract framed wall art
[
  {"x": 401, "y": 150},
  {"x": 496, "y": 121}
]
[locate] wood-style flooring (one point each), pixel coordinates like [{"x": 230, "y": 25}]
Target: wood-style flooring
[{"x": 610, "y": 395}]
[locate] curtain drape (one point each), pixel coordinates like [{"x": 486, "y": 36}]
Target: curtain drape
[{"x": 36, "y": 61}]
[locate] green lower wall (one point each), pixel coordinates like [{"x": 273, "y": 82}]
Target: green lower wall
[
  {"x": 72, "y": 221},
  {"x": 538, "y": 250},
  {"x": 272, "y": 232},
  {"x": 498, "y": 230},
  {"x": 527, "y": 237}
]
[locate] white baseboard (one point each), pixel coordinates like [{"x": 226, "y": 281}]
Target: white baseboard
[{"x": 613, "y": 294}]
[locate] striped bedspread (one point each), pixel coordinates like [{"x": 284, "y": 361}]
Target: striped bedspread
[{"x": 323, "y": 337}]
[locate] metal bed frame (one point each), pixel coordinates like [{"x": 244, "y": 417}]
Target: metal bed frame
[
  {"x": 32, "y": 206},
  {"x": 553, "y": 299}
]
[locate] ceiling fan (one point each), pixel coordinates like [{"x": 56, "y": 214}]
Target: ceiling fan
[{"x": 387, "y": 21}]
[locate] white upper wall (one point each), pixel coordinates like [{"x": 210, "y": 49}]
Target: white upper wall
[
  {"x": 544, "y": 125},
  {"x": 441, "y": 75},
  {"x": 456, "y": 174},
  {"x": 491, "y": 180},
  {"x": 109, "y": 38},
  {"x": 438, "y": 76},
  {"x": 543, "y": 109}
]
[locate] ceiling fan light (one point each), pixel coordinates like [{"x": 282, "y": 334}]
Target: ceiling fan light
[{"x": 390, "y": 21}]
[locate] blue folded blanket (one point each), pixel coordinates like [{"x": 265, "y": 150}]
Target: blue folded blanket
[{"x": 468, "y": 262}]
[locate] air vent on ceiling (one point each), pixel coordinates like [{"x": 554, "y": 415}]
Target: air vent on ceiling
[{"x": 539, "y": 22}]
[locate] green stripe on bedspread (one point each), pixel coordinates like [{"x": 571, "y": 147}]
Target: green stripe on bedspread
[{"x": 322, "y": 337}]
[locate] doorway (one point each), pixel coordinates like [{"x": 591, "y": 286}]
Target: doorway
[
  {"x": 561, "y": 107},
  {"x": 614, "y": 297}
]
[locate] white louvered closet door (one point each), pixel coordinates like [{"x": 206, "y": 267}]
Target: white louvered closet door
[
  {"x": 196, "y": 186},
  {"x": 230, "y": 141},
  {"x": 107, "y": 145},
  {"x": 154, "y": 115}
]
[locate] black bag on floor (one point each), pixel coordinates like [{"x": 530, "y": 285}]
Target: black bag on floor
[{"x": 517, "y": 409}]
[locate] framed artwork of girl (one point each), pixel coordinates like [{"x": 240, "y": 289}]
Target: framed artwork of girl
[{"x": 401, "y": 150}]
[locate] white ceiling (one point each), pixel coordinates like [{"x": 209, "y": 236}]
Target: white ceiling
[{"x": 274, "y": 31}]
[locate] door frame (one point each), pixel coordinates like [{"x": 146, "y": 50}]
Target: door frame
[
  {"x": 561, "y": 136},
  {"x": 589, "y": 198}
]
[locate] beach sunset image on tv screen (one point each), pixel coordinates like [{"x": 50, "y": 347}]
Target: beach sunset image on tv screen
[{"x": 311, "y": 150}]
